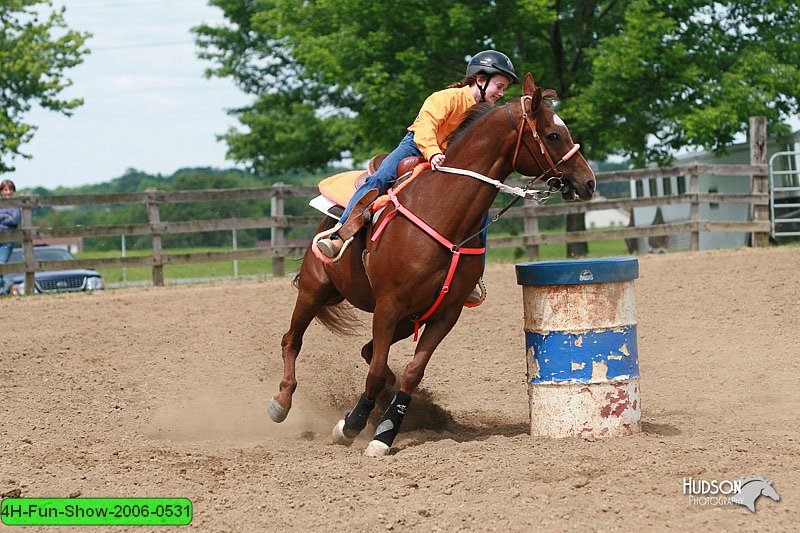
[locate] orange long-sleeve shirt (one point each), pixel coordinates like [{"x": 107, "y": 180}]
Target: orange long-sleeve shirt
[{"x": 438, "y": 117}]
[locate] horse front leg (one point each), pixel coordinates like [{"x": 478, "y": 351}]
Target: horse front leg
[
  {"x": 389, "y": 426},
  {"x": 404, "y": 330},
  {"x": 376, "y": 353}
]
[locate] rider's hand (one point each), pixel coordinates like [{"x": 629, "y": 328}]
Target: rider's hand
[{"x": 437, "y": 160}]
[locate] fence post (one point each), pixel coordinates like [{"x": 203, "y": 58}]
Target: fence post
[
  {"x": 759, "y": 183},
  {"x": 530, "y": 227},
  {"x": 154, "y": 217},
  {"x": 694, "y": 209},
  {"x": 234, "y": 242},
  {"x": 124, "y": 254},
  {"x": 26, "y": 221},
  {"x": 276, "y": 207}
]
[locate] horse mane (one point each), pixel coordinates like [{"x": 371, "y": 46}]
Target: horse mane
[
  {"x": 473, "y": 115},
  {"x": 549, "y": 99},
  {"x": 745, "y": 480},
  {"x": 478, "y": 111}
]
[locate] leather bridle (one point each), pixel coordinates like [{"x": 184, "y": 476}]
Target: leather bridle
[{"x": 541, "y": 156}]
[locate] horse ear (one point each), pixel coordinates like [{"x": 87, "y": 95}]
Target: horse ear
[
  {"x": 528, "y": 85},
  {"x": 537, "y": 100},
  {"x": 529, "y": 88}
]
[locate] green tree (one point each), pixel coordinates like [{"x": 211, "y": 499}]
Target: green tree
[
  {"x": 636, "y": 78},
  {"x": 688, "y": 74},
  {"x": 36, "y": 50}
]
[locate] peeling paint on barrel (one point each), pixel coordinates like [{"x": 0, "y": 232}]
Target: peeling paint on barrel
[
  {"x": 596, "y": 411},
  {"x": 582, "y": 355},
  {"x": 584, "y": 307}
]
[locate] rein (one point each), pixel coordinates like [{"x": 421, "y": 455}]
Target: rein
[
  {"x": 539, "y": 196},
  {"x": 554, "y": 183}
]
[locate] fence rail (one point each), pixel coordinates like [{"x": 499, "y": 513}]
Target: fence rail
[{"x": 278, "y": 222}]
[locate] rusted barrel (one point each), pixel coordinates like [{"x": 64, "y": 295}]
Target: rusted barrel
[{"x": 581, "y": 344}]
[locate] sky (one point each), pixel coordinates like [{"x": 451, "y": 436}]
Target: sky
[{"x": 147, "y": 105}]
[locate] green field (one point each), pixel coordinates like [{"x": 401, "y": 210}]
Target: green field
[
  {"x": 263, "y": 267},
  {"x": 548, "y": 252},
  {"x": 245, "y": 268}
]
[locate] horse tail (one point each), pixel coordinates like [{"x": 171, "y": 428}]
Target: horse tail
[{"x": 337, "y": 315}]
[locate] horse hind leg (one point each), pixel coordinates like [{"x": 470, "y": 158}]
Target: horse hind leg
[{"x": 315, "y": 291}]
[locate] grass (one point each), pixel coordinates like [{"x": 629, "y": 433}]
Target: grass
[
  {"x": 245, "y": 267},
  {"x": 263, "y": 267},
  {"x": 548, "y": 252}
]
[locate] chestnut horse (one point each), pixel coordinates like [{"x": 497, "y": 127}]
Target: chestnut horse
[{"x": 401, "y": 274}]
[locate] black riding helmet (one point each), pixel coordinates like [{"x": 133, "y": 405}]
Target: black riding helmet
[{"x": 489, "y": 63}]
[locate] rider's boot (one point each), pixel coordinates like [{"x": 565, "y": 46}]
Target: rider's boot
[{"x": 331, "y": 246}]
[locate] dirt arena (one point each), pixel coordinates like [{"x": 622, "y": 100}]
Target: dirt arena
[{"x": 163, "y": 392}]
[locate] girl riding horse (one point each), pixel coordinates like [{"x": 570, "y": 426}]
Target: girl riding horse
[
  {"x": 432, "y": 225},
  {"x": 488, "y": 75}
]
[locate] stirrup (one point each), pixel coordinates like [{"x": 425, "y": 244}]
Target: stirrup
[
  {"x": 480, "y": 289},
  {"x": 322, "y": 235}
]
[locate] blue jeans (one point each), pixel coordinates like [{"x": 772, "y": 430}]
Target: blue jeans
[
  {"x": 385, "y": 174},
  {"x": 388, "y": 172},
  {"x": 5, "y": 251}
]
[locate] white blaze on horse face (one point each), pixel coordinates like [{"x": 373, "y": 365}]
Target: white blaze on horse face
[{"x": 557, "y": 120}]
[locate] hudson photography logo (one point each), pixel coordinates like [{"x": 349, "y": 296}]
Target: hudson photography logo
[{"x": 744, "y": 491}]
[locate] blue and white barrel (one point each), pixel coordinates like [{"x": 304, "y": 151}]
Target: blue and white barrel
[{"x": 580, "y": 339}]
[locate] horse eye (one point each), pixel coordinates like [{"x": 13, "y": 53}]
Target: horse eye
[{"x": 553, "y": 137}]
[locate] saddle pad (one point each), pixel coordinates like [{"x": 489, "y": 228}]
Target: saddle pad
[{"x": 339, "y": 188}]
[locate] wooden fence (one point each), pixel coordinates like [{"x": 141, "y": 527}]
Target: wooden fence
[
  {"x": 156, "y": 228},
  {"x": 531, "y": 239},
  {"x": 279, "y": 250}
]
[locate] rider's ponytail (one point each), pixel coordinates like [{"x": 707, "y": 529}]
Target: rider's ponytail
[{"x": 468, "y": 80}]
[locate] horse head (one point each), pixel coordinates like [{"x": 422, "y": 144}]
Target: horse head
[
  {"x": 553, "y": 155},
  {"x": 769, "y": 491},
  {"x": 751, "y": 488}
]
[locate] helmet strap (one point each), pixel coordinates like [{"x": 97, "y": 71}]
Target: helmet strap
[{"x": 485, "y": 85}]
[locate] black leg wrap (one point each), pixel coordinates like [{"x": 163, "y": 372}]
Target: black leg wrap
[
  {"x": 356, "y": 420},
  {"x": 390, "y": 423}
]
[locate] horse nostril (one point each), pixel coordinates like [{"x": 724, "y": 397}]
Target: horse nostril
[{"x": 591, "y": 186}]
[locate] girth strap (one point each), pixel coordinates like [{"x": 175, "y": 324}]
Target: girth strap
[{"x": 438, "y": 238}]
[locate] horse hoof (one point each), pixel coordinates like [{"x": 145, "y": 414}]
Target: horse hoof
[
  {"x": 276, "y": 412},
  {"x": 338, "y": 436},
  {"x": 376, "y": 448}
]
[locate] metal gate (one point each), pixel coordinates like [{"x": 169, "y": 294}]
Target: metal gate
[{"x": 784, "y": 194}]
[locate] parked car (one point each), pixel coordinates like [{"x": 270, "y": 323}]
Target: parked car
[{"x": 54, "y": 280}]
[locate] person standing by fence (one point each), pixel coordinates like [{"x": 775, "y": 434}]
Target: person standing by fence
[{"x": 9, "y": 218}]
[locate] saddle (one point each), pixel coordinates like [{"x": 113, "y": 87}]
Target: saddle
[{"x": 336, "y": 191}]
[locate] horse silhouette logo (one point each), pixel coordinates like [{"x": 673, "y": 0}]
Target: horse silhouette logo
[{"x": 751, "y": 488}]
